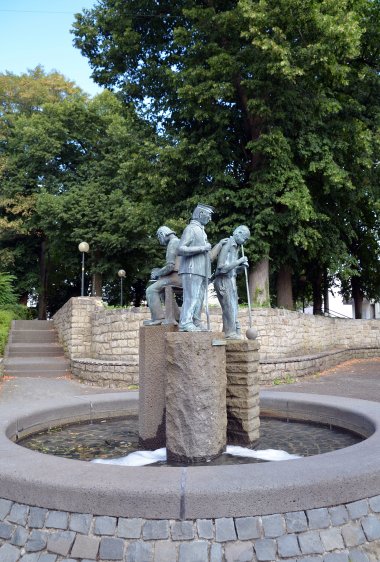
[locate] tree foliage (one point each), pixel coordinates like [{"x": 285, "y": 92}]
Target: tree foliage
[{"x": 273, "y": 108}]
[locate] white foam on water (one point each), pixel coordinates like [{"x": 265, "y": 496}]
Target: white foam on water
[
  {"x": 137, "y": 458},
  {"x": 143, "y": 458},
  {"x": 264, "y": 454}
]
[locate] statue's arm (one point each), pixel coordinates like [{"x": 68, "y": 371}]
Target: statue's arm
[
  {"x": 185, "y": 248},
  {"x": 171, "y": 254}
]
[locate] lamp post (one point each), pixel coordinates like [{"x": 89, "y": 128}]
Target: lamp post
[
  {"x": 121, "y": 273},
  {"x": 84, "y": 248}
]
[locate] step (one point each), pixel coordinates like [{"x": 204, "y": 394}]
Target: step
[
  {"x": 36, "y": 363},
  {"x": 35, "y": 350},
  {"x": 34, "y": 325},
  {"x": 32, "y": 374},
  {"x": 31, "y": 336}
]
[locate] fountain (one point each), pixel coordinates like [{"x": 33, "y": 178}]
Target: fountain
[{"x": 322, "y": 505}]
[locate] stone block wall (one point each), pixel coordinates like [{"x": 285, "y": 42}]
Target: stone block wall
[
  {"x": 291, "y": 343},
  {"x": 341, "y": 533},
  {"x": 74, "y": 325}
]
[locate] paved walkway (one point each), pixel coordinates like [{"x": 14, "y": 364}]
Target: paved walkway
[{"x": 358, "y": 378}]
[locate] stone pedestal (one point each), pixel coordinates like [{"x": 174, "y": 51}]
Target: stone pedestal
[
  {"x": 242, "y": 362},
  {"x": 152, "y": 380},
  {"x": 195, "y": 396}
]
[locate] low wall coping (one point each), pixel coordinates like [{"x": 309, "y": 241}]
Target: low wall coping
[{"x": 338, "y": 477}]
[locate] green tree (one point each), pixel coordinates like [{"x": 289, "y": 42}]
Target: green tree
[{"x": 258, "y": 101}]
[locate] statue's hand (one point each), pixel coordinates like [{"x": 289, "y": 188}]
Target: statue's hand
[
  {"x": 244, "y": 261},
  {"x": 155, "y": 273},
  {"x": 207, "y": 247},
  {"x": 223, "y": 241}
]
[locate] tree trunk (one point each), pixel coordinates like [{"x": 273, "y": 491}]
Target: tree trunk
[
  {"x": 317, "y": 292},
  {"x": 259, "y": 284},
  {"x": 357, "y": 295},
  {"x": 284, "y": 287},
  {"x": 96, "y": 284},
  {"x": 325, "y": 292},
  {"x": 42, "y": 297}
]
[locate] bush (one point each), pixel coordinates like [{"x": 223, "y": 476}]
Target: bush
[
  {"x": 7, "y": 314},
  {"x": 7, "y": 293}
]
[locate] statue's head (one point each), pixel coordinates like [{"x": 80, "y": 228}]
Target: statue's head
[
  {"x": 202, "y": 213},
  {"x": 241, "y": 234},
  {"x": 163, "y": 234}
]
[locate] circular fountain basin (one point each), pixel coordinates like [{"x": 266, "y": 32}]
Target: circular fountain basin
[{"x": 192, "y": 492}]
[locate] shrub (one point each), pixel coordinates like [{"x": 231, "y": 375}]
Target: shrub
[
  {"x": 7, "y": 292},
  {"x": 7, "y": 314}
]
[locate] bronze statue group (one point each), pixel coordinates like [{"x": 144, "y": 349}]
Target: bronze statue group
[{"x": 188, "y": 267}]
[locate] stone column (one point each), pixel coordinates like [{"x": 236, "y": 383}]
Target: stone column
[
  {"x": 152, "y": 382},
  {"x": 195, "y": 396},
  {"x": 243, "y": 422}
]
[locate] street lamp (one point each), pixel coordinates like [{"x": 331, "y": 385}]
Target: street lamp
[
  {"x": 121, "y": 273},
  {"x": 84, "y": 248}
]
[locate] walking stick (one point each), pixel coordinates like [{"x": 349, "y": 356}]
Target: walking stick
[
  {"x": 247, "y": 287},
  {"x": 251, "y": 333},
  {"x": 206, "y": 293}
]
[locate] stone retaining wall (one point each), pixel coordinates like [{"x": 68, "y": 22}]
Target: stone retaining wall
[
  {"x": 343, "y": 533},
  {"x": 291, "y": 343}
]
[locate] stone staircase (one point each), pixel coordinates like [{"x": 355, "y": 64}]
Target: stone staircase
[{"x": 33, "y": 351}]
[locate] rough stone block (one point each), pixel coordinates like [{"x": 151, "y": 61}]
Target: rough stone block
[
  {"x": 205, "y": 528},
  {"x": 332, "y": 539},
  {"x": 47, "y": 558},
  {"x": 85, "y": 547},
  {"x": 357, "y": 556},
  {"x": 57, "y": 520},
  {"x": 155, "y": 530},
  {"x": 18, "y": 514},
  {"x": 274, "y": 525},
  {"x": 193, "y": 552},
  {"x": 80, "y": 523},
  {"x": 318, "y": 518},
  {"x": 216, "y": 553},
  {"x": 111, "y": 549},
  {"x": 152, "y": 381},
  {"x": 139, "y": 551},
  {"x": 374, "y": 504},
  {"x": 265, "y": 550},
  {"x": 129, "y": 528},
  {"x": 288, "y": 546},
  {"x": 5, "y": 507},
  {"x": 371, "y": 528},
  {"x": 225, "y": 529},
  {"x": 196, "y": 417},
  {"x": 182, "y": 530},
  {"x": 357, "y": 509},
  {"x": 238, "y": 552},
  {"x": 353, "y": 534},
  {"x": 296, "y": 521},
  {"x": 248, "y": 528},
  {"x": 105, "y": 525},
  {"x": 20, "y": 536},
  {"x": 165, "y": 552},
  {"x": 33, "y": 557},
  {"x": 60, "y": 542},
  {"x": 36, "y": 542},
  {"x": 338, "y": 515},
  {"x": 310, "y": 543},
  {"x": 37, "y": 517},
  {"x": 6, "y": 530},
  {"x": 9, "y": 553},
  {"x": 336, "y": 557}
]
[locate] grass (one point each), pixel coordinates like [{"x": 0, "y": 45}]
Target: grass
[{"x": 288, "y": 379}]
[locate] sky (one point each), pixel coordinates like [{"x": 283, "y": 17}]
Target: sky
[{"x": 34, "y": 32}]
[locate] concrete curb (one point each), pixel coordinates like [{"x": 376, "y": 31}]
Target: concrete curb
[{"x": 195, "y": 492}]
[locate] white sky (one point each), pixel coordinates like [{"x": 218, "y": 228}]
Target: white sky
[{"x": 36, "y": 32}]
